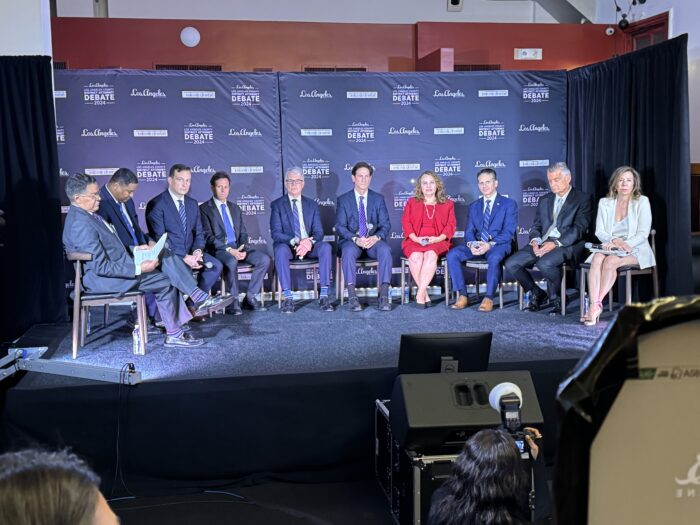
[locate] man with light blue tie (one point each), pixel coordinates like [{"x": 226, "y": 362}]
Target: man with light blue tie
[
  {"x": 295, "y": 225},
  {"x": 226, "y": 239},
  {"x": 488, "y": 235},
  {"x": 362, "y": 225}
]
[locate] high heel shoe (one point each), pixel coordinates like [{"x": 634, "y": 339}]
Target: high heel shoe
[{"x": 594, "y": 314}]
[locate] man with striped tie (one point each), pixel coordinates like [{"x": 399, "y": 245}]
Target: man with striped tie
[{"x": 488, "y": 235}]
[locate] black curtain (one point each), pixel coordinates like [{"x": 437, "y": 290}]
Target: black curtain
[
  {"x": 633, "y": 110},
  {"x": 33, "y": 283}
]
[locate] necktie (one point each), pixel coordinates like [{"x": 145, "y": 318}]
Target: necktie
[
  {"x": 297, "y": 222},
  {"x": 129, "y": 227},
  {"x": 557, "y": 208},
  {"x": 362, "y": 218},
  {"x": 230, "y": 232},
  {"x": 183, "y": 215},
  {"x": 485, "y": 224}
]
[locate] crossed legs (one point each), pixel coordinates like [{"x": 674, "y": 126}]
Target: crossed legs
[
  {"x": 423, "y": 266},
  {"x": 602, "y": 276}
]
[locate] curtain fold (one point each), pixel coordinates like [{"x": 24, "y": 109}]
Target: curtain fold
[
  {"x": 33, "y": 272},
  {"x": 633, "y": 110}
]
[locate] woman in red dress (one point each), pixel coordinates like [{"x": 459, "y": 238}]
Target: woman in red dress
[{"x": 428, "y": 226}]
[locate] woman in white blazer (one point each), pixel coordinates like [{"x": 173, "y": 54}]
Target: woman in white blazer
[{"x": 623, "y": 222}]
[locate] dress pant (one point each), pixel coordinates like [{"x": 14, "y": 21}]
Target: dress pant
[
  {"x": 260, "y": 261},
  {"x": 321, "y": 251},
  {"x": 459, "y": 254},
  {"x": 179, "y": 274},
  {"x": 381, "y": 251},
  {"x": 171, "y": 306}
]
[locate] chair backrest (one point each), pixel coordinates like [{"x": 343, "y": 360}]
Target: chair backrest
[
  {"x": 652, "y": 237},
  {"x": 77, "y": 258}
]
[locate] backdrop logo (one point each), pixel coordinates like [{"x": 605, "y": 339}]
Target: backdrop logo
[
  {"x": 492, "y": 130},
  {"x": 448, "y": 131},
  {"x": 60, "y": 93},
  {"x": 314, "y": 93},
  {"x": 199, "y": 133},
  {"x": 448, "y": 93},
  {"x": 151, "y": 170},
  {"x": 60, "y": 135},
  {"x": 326, "y": 203},
  {"x": 405, "y": 95},
  {"x": 63, "y": 173},
  {"x": 361, "y": 94},
  {"x": 534, "y": 163},
  {"x": 251, "y": 204},
  {"x": 487, "y": 93},
  {"x": 523, "y": 231},
  {"x": 256, "y": 241},
  {"x": 457, "y": 199},
  {"x": 347, "y": 167},
  {"x": 405, "y": 166},
  {"x": 98, "y": 94},
  {"x": 360, "y": 132},
  {"x": 537, "y": 128},
  {"x": 100, "y": 172},
  {"x": 316, "y": 168},
  {"x": 204, "y": 170},
  {"x": 447, "y": 166},
  {"x": 535, "y": 92},
  {"x": 532, "y": 194},
  {"x": 245, "y": 95},
  {"x": 99, "y": 132},
  {"x": 489, "y": 164},
  {"x": 198, "y": 94},
  {"x": 246, "y": 170},
  {"x": 403, "y": 130},
  {"x": 244, "y": 132},
  {"x": 316, "y": 132},
  {"x": 397, "y": 235},
  {"x": 401, "y": 198},
  {"x": 692, "y": 478},
  {"x": 158, "y": 93},
  {"x": 150, "y": 133}
]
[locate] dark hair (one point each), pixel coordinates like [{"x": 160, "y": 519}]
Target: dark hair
[
  {"x": 178, "y": 167},
  {"x": 362, "y": 164},
  {"x": 47, "y": 488},
  {"x": 77, "y": 183},
  {"x": 124, "y": 177},
  {"x": 489, "y": 484},
  {"x": 615, "y": 177},
  {"x": 219, "y": 175},
  {"x": 487, "y": 171}
]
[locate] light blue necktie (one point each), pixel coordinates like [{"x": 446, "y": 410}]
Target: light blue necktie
[
  {"x": 183, "y": 215},
  {"x": 230, "y": 231},
  {"x": 297, "y": 222},
  {"x": 362, "y": 218},
  {"x": 485, "y": 224}
]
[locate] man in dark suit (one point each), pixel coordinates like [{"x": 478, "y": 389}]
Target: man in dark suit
[
  {"x": 489, "y": 234},
  {"x": 117, "y": 208},
  {"x": 295, "y": 224},
  {"x": 227, "y": 239},
  {"x": 175, "y": 213},
  {"x": 362, "y": 225},
  {"x": 112, "y": 269},
  {"x": 557, "y": 236}
]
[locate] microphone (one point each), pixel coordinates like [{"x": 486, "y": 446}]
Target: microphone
[{"x": 207, "y": 264}]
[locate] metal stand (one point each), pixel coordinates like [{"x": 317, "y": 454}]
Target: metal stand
[{"x": 29, "y": 359}]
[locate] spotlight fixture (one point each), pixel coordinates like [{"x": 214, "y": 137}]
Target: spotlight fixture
[{"x": 624, "y": 21}]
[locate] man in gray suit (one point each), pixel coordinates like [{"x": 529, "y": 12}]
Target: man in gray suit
[{"x": 113, "y": 270}]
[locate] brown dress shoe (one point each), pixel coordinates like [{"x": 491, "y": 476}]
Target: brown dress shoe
[
  {"x": 461, "y": 303},
  {"x": 486, "y": 305}
]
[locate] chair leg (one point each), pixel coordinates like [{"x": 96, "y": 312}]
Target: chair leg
[
  {"x": 83, "y": 324},
  {"x": 563, "y": 292},
  {"x": 76, "y": 326},
  {"x": 342, "y": 284},
  {"x": 262, "y": 295},
  {"x": 403, "y": 282},
  {"x": 276, "y": 283},
  {"x": 520, "y": 296},
  {"x": 628, "y": 287},
  {"x": 447, "y": 282},
  {"x": 582, "y": 290},
  {"x": 655, "y": 281},
  {"x": 610, "y": 299},
  {"x": 500, "y": 292},
  {"x": 105, "y": 316},
  {"x": 141, "y": 313},
  {"x": 316, "y": 295}
]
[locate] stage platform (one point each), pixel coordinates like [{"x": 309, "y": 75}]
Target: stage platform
[{"x": 269, "y": 397}]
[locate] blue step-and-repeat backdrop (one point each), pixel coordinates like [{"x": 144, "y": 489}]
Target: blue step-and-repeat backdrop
[{"x": 255, "y": 125}]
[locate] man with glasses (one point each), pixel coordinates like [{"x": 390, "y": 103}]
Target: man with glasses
[
  {"x": 295, "y": 224},
  {"x": 362, "y": 225},
  {"x": 227, "y": 239}
]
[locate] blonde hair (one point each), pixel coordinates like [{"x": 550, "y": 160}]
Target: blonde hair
[
  {"x": 615, "y": 177},
  {"x": 439, "y": 188}
]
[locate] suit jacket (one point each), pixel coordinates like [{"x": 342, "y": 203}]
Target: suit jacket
[
  {"x": 639, "y": 219},
  {"x": 445, "y": 221},
  {"x": 111, "y": 269},
  {"x": 214, "y": 229},
  {"x": 110, "y": 211},
  {"x": 574, "y": 219},
  {"x": 282, "y": 220},
  {"x": 503, "y": 223},
  {"x": 347, "y": 224},
  {"x": 162, "y": 216}
]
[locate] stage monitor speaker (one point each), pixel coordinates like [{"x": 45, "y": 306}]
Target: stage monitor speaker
[
  {"x": 631, "y": 432},
  {"x": 436, "y": 413}
]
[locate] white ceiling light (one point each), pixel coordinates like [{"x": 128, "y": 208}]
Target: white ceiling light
[{"x": 189, "y": 36}]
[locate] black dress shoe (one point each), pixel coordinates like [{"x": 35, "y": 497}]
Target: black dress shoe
[
  {"x": 252, "y": 303},
  {"x": 354, "y": 304},
  {"x": 234, "y": 308},
  {"x": 325, "y": 304},
  {"x": 384, "y": 305},
  {"x": 288, "y": 306},
  {"x": 212, "y": 303},
  {"x": 556, "y": 308},
  {"x": 537, "y": 301}
]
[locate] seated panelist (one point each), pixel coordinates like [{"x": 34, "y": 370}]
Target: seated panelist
[
  {"x": 623, "y": 223},
  {"x": 295, "y": 225},
  {"x": 428, "y": 226}
]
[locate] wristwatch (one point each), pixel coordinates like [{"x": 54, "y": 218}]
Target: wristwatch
[{"x": 557, "y": 243}]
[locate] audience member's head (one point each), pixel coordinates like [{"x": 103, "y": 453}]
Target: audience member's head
[
  {"x": 489, "y": 484},
  {"x": 50, "y": 488}
]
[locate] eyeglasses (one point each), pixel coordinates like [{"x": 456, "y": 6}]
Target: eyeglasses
[
  {"x": 93, "y": 196},
  {"x": 295, "y": 182}
]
